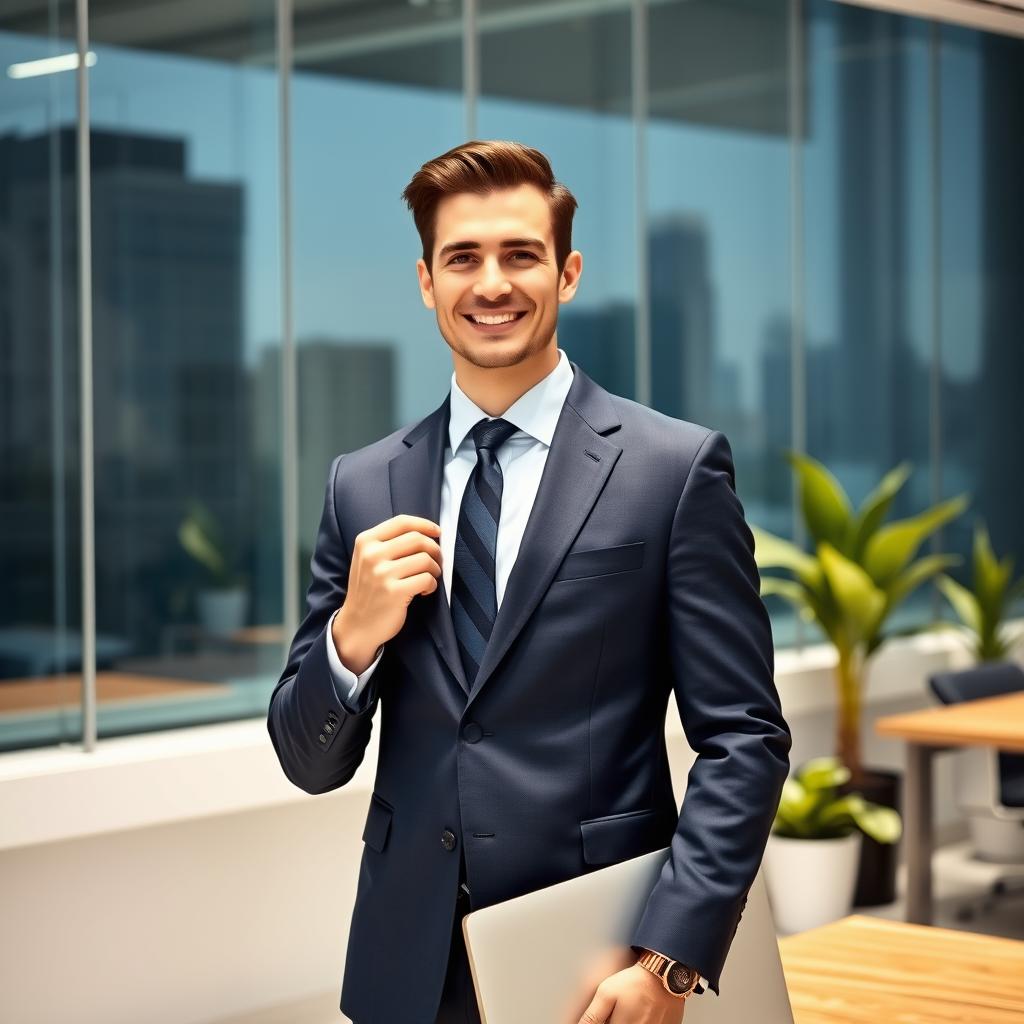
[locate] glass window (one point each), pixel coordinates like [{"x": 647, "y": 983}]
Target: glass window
[
  {"x": 186, "y": 326},
  {"x": 40, "y": 476},
  {"x": 376, "y": 92},
  {"x": 572, "y": 101}
]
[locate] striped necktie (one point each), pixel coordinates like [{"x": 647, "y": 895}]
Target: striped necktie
[{"x": 474, "y": 596}]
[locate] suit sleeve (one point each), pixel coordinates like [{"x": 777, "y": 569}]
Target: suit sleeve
[
  {"x": 318, "y": 740},
  {"x": 722, "y": 666}
]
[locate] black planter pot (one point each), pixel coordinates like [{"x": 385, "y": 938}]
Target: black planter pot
[{"x": 876, "y": 874}]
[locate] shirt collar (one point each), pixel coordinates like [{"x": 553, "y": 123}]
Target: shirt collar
[{"x": 536, "y": 412}]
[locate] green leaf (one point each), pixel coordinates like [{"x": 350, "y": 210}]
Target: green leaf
[
  {"x": 893, "y": 546},
  {"x": 964, "y": 603},
  {"x": 911, "y": 578},
  {"x": 875, "y": 508},
  {"x": 771, "y": 552},
  {"x": 199, "y": 546},
  {"x": 823, "y": 773},
  {"x": 990, "y": 576},
  {"x": 883, "y": 824},
  {"x": 826, "y": 508},
  {"x": 791, "y": 591},
  {"x": 860, "y": 602}
]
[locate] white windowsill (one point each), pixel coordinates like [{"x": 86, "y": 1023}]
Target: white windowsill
[{"x": 58, "y": 793}]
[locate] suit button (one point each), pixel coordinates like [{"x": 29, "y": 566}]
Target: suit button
[
  {"x": 448, "y": 839},
  {"x": 323, "y": 738},
  {"x": 328, "y": 728},
  {"x": 332, "y": 718},
  {"x": 471, "y": 732}
]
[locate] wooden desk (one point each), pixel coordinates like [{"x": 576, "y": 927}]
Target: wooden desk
[
  {"x": 867, "y": 970},
  {"x": 990, "y": 722}
]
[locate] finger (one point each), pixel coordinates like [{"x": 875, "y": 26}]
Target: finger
[
  {"x": 415, "y": 564},
  {"x": 600, "y": 1009},
  {"x": 397, "y": 525},
  {"x": 412, "y": 586},
  {"x": 409, "y": 543}
]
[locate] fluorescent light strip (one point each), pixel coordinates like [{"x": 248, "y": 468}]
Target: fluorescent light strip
[{"x": 49, "y": 65}]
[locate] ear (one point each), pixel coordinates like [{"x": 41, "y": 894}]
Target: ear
[
  {"x": 570, "y": 279},
  {"x": 426, "y": 284}
]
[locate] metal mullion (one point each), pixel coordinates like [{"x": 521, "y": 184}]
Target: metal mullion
[
  {"x": 642, "y": 311},
  {"x": 289, "y": 397},
  {"x": 798, "y": 346},
  {"x": 88, "y": 516}
]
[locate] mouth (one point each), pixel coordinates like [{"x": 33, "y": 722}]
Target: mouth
[{"x": 506, "y": 321}]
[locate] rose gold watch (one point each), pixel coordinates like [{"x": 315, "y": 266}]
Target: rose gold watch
[{"x": 678, "y": 979}]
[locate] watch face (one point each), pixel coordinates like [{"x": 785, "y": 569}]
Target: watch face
[{"x": 680, "y": 978}]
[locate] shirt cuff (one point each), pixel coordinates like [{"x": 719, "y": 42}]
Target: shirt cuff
[{"x": 348, "y": 685}]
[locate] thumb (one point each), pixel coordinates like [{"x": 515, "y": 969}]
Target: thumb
[{"x": 600, "y": 1009}]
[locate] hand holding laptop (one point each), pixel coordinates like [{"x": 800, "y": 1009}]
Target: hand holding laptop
[{"x": 631, "y": 996}]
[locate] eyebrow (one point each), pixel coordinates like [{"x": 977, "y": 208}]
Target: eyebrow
[{"x": 508, "y": 243}]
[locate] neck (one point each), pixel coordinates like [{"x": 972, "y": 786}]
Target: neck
[{"x": 495, "y": 389}]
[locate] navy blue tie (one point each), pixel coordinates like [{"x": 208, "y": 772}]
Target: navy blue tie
[{"x": 474, "y": 595}]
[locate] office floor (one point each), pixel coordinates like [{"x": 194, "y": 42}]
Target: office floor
[{"x": 959, "y": 882}]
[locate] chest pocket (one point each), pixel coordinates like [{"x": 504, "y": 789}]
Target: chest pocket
[{"x": 601, "y": 561}]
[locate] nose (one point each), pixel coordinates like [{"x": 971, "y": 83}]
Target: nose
[{"x": 492, "y": 283}]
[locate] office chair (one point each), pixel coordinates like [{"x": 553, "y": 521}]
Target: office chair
[{"x": 988, "y": 783}]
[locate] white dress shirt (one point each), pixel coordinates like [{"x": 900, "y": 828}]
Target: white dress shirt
[{"x": 521, "y": 458}]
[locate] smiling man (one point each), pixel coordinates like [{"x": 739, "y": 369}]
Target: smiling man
[{"x": 521, "y": 580}]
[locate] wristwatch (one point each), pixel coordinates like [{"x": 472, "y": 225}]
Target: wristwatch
[{"x": 679, "y": 979}]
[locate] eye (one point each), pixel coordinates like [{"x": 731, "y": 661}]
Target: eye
[{"x": 525, "y": 253}]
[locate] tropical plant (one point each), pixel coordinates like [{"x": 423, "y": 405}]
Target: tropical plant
[
  {"x": 810, "y": 807},
  {"x": 982, "y": 609},
  {"x": 859, "y": 572},
  {"x": 201, "y": 536}
]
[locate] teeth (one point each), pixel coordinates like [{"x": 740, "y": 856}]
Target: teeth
[{"x": 503, "y": 319}]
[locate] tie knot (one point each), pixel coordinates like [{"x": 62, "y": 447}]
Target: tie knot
[{"x": 492, "y": 434}]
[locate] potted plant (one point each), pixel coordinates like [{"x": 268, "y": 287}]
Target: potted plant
[
  {"x": 981, "y": 611},
  {"x": 858, "y": 571},
  {"x": 812, "y": 855},
  {"x": 223, "y": 603},
  {"x": 983, "y": 608}
]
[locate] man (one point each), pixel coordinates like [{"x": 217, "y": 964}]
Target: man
[{"x": 519, "y": 580}]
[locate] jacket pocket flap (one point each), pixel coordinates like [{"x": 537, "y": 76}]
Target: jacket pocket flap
[
  {"x": 617, "y": 837},
  {"x": 378, "y": 823},
  {"x": 601, "y": 561}
]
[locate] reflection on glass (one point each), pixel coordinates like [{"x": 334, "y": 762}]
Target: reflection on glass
[
  {"x": 718, "y": 208},
  {"x": 982, "y": 268},
  {"x": 376, "y": 92},
  {"x": 185, "y": 311},
  {"x": 574, "y": 105},
  {"x": 40, "y": 480}
]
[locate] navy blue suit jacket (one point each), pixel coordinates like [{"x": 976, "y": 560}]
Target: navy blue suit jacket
[{"x": 635, "y": 581}]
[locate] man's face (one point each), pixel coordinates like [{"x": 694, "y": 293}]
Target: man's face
[{"x": 476, "y": 273}]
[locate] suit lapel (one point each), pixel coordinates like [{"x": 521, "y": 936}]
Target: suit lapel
[
  {"x": 578, "y": 464},
  {"x": 577, "y": 467},
  {"x": 416, "y": 475}
]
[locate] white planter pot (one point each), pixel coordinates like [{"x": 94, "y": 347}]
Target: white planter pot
[
  {"x": 811, "y": 881},
  {"x": 223, "y": 611}
]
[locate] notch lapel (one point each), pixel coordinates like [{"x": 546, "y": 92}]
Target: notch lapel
[
  {"x": 575, "y": 472},
  {"x": 577, "y": 467},
  {"x": 416, "y": 476}
]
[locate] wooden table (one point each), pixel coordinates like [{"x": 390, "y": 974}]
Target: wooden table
[
  {"x": 867, "y": 970},
  {"x": 996, "y": 722}
]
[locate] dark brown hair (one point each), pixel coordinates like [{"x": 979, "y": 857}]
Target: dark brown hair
[{"x": 481, "y": 166}]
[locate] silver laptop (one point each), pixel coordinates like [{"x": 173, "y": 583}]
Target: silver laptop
[{"x": 532, "y": 957}]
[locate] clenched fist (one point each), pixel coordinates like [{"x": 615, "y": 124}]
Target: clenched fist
[{"x": 392, "y": 562}]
